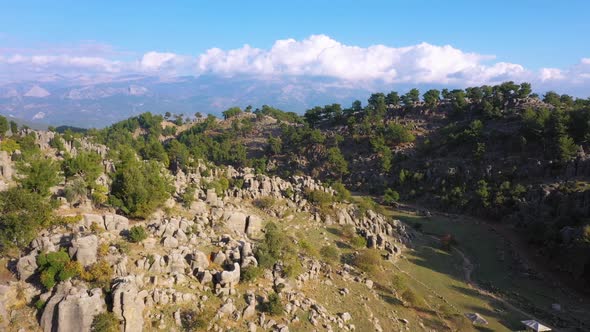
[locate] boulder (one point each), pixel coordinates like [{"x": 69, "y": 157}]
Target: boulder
[
  {"x": 199, "y": 260},
  {"x": 129, "y": 303},
  {"x": 177, "y": 262},
  {"x": 84, "y": 249},
  {"x": 88, "y": 219},
  {"x": 253, "y": 226},
  {"x": 72, "y": 308},
  {"x": 230, "y": 278},
  {"x": 27, "y": 265},
  {"x": 236, "y": 221},
  {"x": 211, "y": 196},
  {"x": 170, "y": 242},
  {"x": 115, "y": 222}
]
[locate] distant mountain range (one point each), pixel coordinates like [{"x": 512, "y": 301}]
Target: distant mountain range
[{"x": 80, "y": 102}]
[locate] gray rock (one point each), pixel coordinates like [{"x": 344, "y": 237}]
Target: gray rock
[
  {"x": 27, "y": 265},
  {"x": 84, "y": 249},
  {"x": 72, "y": 309},
  {"x": 170, "y": 242},
  {"x": 115, "y": 222},
  {"x": 230, "y": 278},
  {"x": 129, "y": 303},
  {"x": 253, "y": 226},
  {"x": 88, "y": 219},
  {"x": 199, "y": 260},
  {"x": 236, "y": 221}
]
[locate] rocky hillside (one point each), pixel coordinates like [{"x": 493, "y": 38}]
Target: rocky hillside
[
  {"x": 247, "y": 255},
  {"x": 247, "y": 223}
]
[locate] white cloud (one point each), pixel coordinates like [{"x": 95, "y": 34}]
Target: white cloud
[
  {"x": 39, "y": 116},
  {"x": 54, "y": 62},
  {"x": 320, "y": 55},
  {"x": 549, "y": 74},
  {"x": 315, "y": 56},
  {"x": 155, "y": 60}
]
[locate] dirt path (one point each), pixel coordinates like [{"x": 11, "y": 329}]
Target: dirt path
[{"x": 468, "y": 268}]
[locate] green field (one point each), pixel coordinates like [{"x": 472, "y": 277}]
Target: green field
[{"x": 494, "y": 269}]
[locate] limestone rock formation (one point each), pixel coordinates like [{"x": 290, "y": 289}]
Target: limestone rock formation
[
  {"x": 72, "y": 308},
  {"x": 84, "y": 249},
  {"x": 129, "y": 303}
]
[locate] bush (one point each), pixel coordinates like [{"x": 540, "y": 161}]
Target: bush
[
  {"x": 342, "y": 194},
  {"x": 99, "y": 273},
  {"x": 139, "y": 188},
  {"x": 250, "y": 273},
  {"x": 410, "y": 297},
  {"x": 358, "y": 241},
  {"x": 56, "y": 266},
  {"x": 264, "y": 203},
  {"x": 330, "y": 253},
  {"x": 269, "y": 251},
  {"x": 273, "y": 306},
  {"x": 40, "y": 304},
  {"x": 22, "y": 215},
  {"x": 368, "y": 260},
  {"x": 391, "y": 196},
  {"x": 105, "y": 322},
  {"x": 188, "y": 196},
  {"x": 308, "y": 248},
  {"x": 191, "y": 320},
  {"x": 367, "y": 203},
  {"x": 137, "y": 234},
  {"x": 99, "y": 195},
  {"x": 320, "y": 197}
]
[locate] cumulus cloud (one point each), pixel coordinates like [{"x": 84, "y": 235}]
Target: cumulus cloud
[
  {"x": 320, "y": 55},
  {"x": 315, "y": 56}
]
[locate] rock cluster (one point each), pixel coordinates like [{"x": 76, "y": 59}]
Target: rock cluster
[{"x": 71, "y": 308}]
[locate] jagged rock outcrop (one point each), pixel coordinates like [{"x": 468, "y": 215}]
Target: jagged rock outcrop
[
  {"x": 84, "y": 249},
  {"x": 129, "y": 303},
  {"x": 72, "y": 308},
  {"x": 27, "y": 265}
]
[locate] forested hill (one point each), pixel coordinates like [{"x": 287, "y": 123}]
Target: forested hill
[
  {"x": 150, "y": 212},
  {"x": 500, "y": 152}
]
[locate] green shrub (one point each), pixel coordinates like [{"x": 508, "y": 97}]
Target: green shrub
[
  {"x": 22, "y": 215},
  {"x": 188, "y": 196},
  {"x": 292, "y": 265},
  {"x": 330, "y": 253},
  {"x": 398, "y": 283},
  {"x": 368, "y": 260},
  {"x": 137, "y": 234},
  {"x": 273, "y": 306},
  {"x": 139, "y": 188},
  {"x": 191, "y": 320},
  {"x": 264, "y": 203},
  {"x": 56, "y": 266},
  {"x": 250, "y": 273},
  {"x": 342, "y": 194},
  {"x": 310, "y": 249},
  {"x": 320, "y": 197},
  {"x": 99, "y": 273},
  {"x": 105, "y": 322},
  {"x": 358, "y": 241},
  {"x": 410, "y": 297},
  {"x": 391, "y": 196},
  {"x": 40, "y": 304}
]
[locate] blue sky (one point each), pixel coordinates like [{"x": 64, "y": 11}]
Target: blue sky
[{"x": 535, "y": 35}]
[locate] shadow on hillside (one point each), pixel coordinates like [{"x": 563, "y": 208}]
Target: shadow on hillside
[{"x": 504, "y": 316}]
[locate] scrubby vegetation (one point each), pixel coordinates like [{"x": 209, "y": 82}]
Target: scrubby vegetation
[
  {"x": 137, "y": 234},
  {"x": 105, "y": 322}
]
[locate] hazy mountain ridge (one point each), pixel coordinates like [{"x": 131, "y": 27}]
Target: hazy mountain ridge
[{"x": 74, "y": 101}]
